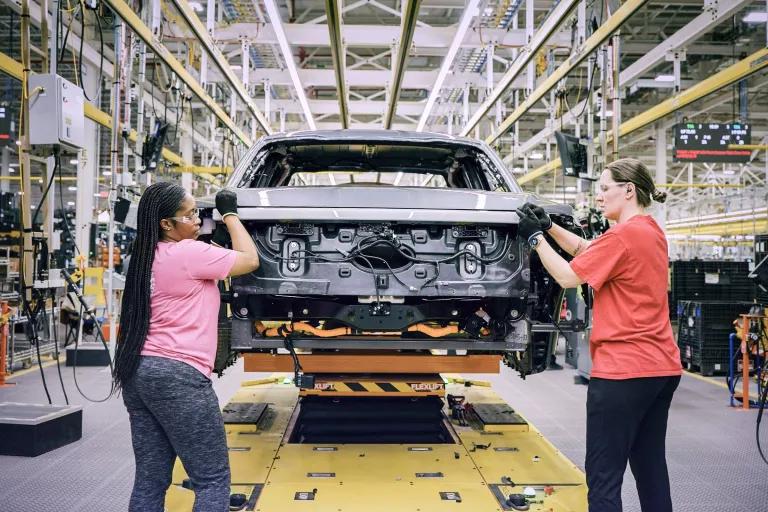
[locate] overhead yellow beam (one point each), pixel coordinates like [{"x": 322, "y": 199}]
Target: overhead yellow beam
[
  {"x": 749, "y": 147},
  {"x": 605, "y": 31},
  {"x": 699, "y": 185},
  {"x": 130, "y": 18},
  {"x": 738, "y": 71},
  {"x": 742, "y": 227},
  {"x": 196, "y": 169}
]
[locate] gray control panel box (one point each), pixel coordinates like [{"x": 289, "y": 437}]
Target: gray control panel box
[{"x": 56, "y": 115}]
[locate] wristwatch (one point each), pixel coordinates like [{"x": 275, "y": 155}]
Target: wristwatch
[{"x": 534, "y": 240}]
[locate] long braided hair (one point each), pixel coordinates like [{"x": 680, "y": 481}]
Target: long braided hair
[{"x": 159, "y": 201}]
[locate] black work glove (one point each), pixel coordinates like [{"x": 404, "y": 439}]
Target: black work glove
[
  {"x": 226, "y": 202},
  {"x": 529, "y": 225},
  {"x": 544, "y": 219}
]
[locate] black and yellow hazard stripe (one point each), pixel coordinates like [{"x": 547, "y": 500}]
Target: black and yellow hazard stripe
[{"x": 376, "y": 387}]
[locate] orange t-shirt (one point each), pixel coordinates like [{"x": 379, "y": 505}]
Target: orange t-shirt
[{"x": 631, "y": 335}]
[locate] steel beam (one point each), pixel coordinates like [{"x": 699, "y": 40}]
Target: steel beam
[
  {"x": 130, "y": 18},
  {"x": 469, "y": 14},
  {"x": 738, "y": 71},
  {"x": 605, "y": 31},
  {"x": 218, "y": 59},
  {"x": 407, "y": 27},
  {"x": 426, "y": 40},
  {"x": 367, "y": 107},
  {"x": 339, "y": 55},
  {"x": 554, "y": 20},
  {"x": 290, "y": 63},
  {"x": 367, "y": 78}
]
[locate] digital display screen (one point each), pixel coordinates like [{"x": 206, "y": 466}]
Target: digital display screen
[
  {"x": 6, "y": 132},
  {"x": 708, "y": 142}
]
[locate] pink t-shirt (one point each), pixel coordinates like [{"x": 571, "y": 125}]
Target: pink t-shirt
[{"x": 184, "y": 305}]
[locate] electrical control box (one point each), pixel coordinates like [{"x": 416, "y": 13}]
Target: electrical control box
[{"x": 56, "y": 115}]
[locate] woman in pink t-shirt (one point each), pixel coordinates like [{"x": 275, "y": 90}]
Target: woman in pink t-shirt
[
  {"x": 636, "y": 362},
  {"x": 167, "y": 343}
]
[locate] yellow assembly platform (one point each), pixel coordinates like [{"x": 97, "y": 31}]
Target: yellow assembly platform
[{"x": 490, "y": 459}]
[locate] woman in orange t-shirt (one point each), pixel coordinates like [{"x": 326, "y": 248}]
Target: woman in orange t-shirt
[{"x": 636, "y": 362}]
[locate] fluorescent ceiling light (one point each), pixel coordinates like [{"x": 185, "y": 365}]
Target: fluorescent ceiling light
[
  {"x": 756, "y": 17},
  {"x": 728, "y": 172},
  {"x": 536, "y": 156},
  {"x": 73, "y": 161},
  {"x": 70, "y": 203},
  {"x": 445, "y": 67},
  {"x": 107, "y": 173},
  {"x": 71, "y": 189},
  {"x": 196, "y": 6},
  {"x": 236, "y": 67},
  {"x": 665, "y": 78},
  {"x": 13, "y": 165},
  {"x": 570, "y": 189},
  {"x": 290, "y": 63}
]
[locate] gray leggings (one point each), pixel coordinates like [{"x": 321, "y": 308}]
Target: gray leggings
[{"x": 174, "y": 411}]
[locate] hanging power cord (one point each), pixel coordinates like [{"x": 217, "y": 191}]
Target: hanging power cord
[
  {"x": 84, "y": 308},
  {"x": 760, "y": 409},
  {"x": 88, "y": 311},
  {"x": 56, "y": 349},
  {"x": 300, "y": 379},
  {"x": 32, "y": 311},
  {"x": 79, "y": 70},
  {"x": 764, "y": 397}
]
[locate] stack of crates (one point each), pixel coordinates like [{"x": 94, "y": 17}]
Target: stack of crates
[
  {"x": 703, "y": 331},
  {"x": 700, "y": 280},
  {"x": 761, "y": 251}
]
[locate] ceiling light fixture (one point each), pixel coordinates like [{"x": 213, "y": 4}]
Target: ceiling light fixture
[
  {"x": 756, "y": 17},
  {"x": 536, "y": 156},
  {"x": 290, "y": 63},
  {"x": 665, "y": 78},
  {"x": 445, "y": 67}
]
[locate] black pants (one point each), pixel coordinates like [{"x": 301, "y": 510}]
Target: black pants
[{"x": 627, "y": 420}]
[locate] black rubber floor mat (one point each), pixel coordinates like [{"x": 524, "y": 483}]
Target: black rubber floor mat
[
  {"x": 242, "y": 413},
  {"x": 497, "y": 414}
]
